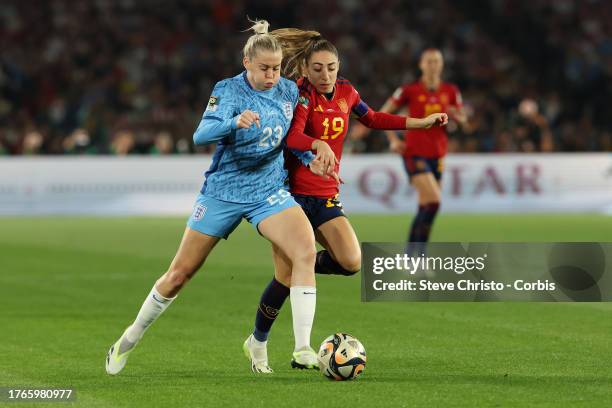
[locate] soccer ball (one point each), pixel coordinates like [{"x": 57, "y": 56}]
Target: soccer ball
[{"x": 341, "y": 357}]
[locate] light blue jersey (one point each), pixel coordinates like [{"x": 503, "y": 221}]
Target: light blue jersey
[{"x": 248, "y": 165}]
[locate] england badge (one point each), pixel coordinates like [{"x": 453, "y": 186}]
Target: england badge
[{"x": 288, "y": 110}]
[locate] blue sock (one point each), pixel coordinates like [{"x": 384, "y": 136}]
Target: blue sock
[
  {"x": 421, "y": 227},
  {"x": 271, "y": 301}
]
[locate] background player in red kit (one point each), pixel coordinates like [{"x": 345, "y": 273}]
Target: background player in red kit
[
  {"x": 322, "y": 112},
  {"x": 423, "y": 150}
]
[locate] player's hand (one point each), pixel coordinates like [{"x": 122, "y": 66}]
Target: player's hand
[
  {"x": 317, "y": 167},
  {"x": 436, "y": 119},
  {"x": 246, "y": 119},
  {"x": 397, "y": 146},
  {"x": 326, "y": 155}
]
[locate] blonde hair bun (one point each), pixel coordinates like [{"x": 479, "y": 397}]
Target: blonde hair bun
[{"x": 259, "y": 26}]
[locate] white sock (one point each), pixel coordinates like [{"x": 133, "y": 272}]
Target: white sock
[
  {"x": 303, "y": 303},
  {"x": 258, "y": 343},
  {"x": 153, "y": 306}
]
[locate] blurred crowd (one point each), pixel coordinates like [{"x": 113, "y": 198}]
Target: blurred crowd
[{"x": 134, "y": 76}]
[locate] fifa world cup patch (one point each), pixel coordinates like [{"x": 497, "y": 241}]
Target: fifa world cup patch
[
  {"x": 302, "y": 100},
  {"x": 198, "y": 212},
  {"x": 213, "y": 103}
]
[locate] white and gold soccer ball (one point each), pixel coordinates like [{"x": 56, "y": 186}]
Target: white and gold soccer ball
[{"x": 341, "y": 357}]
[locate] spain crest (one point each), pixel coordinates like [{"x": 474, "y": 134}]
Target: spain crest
[{"x": 343, "y": 105}]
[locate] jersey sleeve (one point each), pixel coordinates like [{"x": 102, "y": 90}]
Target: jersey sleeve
[
  {"x": 304, "y": 157},
  {"x": 222, "y": 102},
  {"x": 400, "y": 97},
  {"x": 373, "y": 119},
  {"x": 218, "y": 120},
  {"x": 296, "y": 139}
]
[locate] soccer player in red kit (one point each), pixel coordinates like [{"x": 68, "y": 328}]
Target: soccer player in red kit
[
  {"x": 322, "y": 113},
  {"x": 423, "y": 150}
]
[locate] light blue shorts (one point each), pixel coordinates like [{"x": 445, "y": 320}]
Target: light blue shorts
[{"x": 219, "y": 218}]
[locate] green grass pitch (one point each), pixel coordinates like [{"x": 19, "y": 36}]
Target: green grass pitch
[{"x": 69, "y": 286}]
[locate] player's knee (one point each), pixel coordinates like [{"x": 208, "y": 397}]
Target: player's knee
[
  {"x": 433, "y": 200},
  {"x": 304, "y": 254},
  {"x": 179, "y": 275},
  {"x": 351, "y": 262},
  {"x": 434, "y": 204}
]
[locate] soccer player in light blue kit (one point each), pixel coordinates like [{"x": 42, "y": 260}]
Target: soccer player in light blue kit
[{"x": 248, "y": 115}]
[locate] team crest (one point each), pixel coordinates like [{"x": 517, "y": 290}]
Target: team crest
[
  {"x": 288, "y": 110},
  {"x": 422, "y": 98},
  {"x": 198, "y": 212},
  {"x": 213, "y": 104},
  {"x": 343, "y": 105},
  {"x": 444, "y": 98}
]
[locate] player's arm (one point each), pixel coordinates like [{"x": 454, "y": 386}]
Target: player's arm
[
  {"x": 304, "y": 157},
  {"x": 387, "y": 121},
  {"x": 392, "y": 105},
  {"x": 298, "y": 140},
  {"x": 220, "y": 118},
  {"x": 212, "y": 130}
]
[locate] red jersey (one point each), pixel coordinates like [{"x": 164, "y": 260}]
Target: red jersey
[
  {"x": 430, "y": 143},
  {"x": 317, "y": 117}
]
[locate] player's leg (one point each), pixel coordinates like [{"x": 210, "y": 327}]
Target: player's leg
[
  {"x": 291, "y": 232},
  {"x": 192, "y": 252},
  {"x": 270, "y": 303},
  {"x": 342, "y": 254},
  {"x": 210, "y": 220},
  {"x": 428, "y": 190},
  {"x": 274, "y": 295}
]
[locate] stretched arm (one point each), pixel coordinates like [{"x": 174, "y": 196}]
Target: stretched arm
[
  {"x": 359, "y": 131},
  {"x": 387, "y": 121}
]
